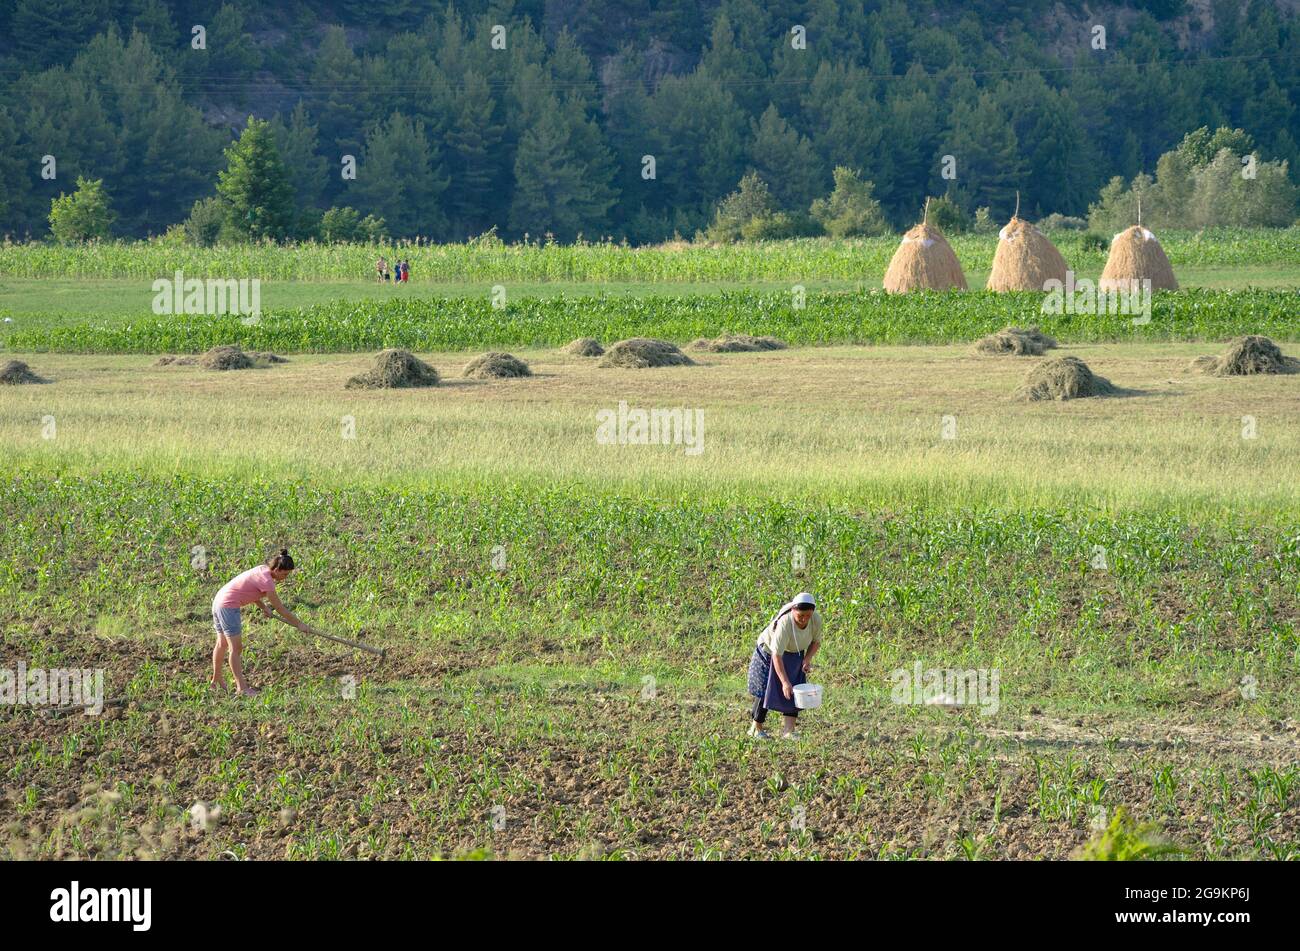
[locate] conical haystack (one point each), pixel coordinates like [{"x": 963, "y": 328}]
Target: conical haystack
[
  {"x": 1025, "y": 259},
  {"x": 924, "y": 261},
  {"x": 1136, "y": 255}
]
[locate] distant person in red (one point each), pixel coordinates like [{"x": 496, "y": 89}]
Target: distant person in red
[{"x": 406, "y": 271}]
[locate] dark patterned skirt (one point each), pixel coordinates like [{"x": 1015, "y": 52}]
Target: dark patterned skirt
[{"x": 763, "y": 681}]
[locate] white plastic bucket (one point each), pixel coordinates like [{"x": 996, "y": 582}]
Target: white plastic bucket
[{"x": 807, "y": 696}]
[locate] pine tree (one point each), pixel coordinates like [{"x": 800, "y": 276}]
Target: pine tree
[
  {"x": 401, "y": 179},
  {"x": 12, "y": 174},
  {"x": 697, "y": 132},
  {"x": 231, "y": 54},
  {"x": 852, "y": 123},
  {"x": 786, "y": 161},
  {"x": 298, "y": 143},
  {"x": 141, "y": 116},
  {"x": 570, "y": 70},
  {"x": 630, "y": 139},
  {"x": 155, "y": 21},
  {"x": 548, "y": 178},
  {"x": 63, "y": 117},
  {"x": 989, "y": 166},
  {"x": 475, "y": 155},
  {"x": 741, "y": 69},
  {"x": 1059, "y": 166},
  {"x": 336, "y": 79},
  {"x": 587, "y": 143},
  {"x": 51, "y": 32},
  {"x": 255, "y": 185}
]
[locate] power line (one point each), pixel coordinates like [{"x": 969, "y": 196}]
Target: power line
[{"x": 197, "y": 85}]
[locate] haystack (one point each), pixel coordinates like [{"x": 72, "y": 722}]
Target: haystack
[
  {"x": 924, "y": 261},
  {"x": 17, "y": 373},
  {"x": 226, "y": 358},
  {"x": 585, "y": 347},
  {"x": 1016, "y": 342},
  {"x": 1025, "y": 259},
  {"x": 1136, "y": 255},
  {"x": 1247, "y": 356},
  {"x": 738, "y": 343},
  {"x": 638, "y": 353},
  {"x": 395, "y": 369},
  {"x": 496, "y": 366},
  {"x": 1063, "y": 378}
]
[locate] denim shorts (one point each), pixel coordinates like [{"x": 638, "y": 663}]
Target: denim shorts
[{"x": 227, "y": 621}]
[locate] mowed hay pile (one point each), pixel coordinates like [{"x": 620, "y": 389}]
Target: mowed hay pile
[
  {"x": 638, "y": 353},
  {"x": 226, "y": 358},
  {"x": 1063, "y": 378},
  {"x": 924, "y": 261},
  {"x": 17, "y": 373},
  {"x": 1025, "y": 259},
  {"x": 223, "y": 358},
  {"x": 395, "y": 369},
  {"x": 1247, "y": 356},
  {"x": 496, "y": 366},
  {"x": 738, "y": 343},
  {"x": 1017, "y": 342},
  {"x": 585, "y": 347},
  {"x": 1136, "y": 255}
]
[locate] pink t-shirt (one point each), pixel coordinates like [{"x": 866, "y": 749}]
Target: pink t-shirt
[{"x": 253, "y": 585}]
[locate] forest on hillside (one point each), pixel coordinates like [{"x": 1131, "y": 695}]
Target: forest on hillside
[{"x": 624, "y": 118}]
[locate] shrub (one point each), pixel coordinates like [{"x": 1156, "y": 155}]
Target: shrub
[
  {"x": 947, "y": 216},
  {"x": 1059, "y": 222},
  {"x": 1094, "y": 242},
  {"x": 82, "y": 216},
  {"x": 984, "y": 223},
  {"x": 207, "y": 218},
  {"x": 341, "y": 226},
  {"x": 850, "y": 210},
  {"x": 778, "y": 226},
  {"x": 751, "y": 199}
]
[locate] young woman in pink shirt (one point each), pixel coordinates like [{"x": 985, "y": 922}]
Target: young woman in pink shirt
[{"x": 255, "y": 586}]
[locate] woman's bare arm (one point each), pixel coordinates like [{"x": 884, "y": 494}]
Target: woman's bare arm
[{"x": 284, "y": 612}]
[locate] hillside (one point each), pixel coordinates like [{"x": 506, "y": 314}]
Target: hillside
[{"x": 454, "y": 136}]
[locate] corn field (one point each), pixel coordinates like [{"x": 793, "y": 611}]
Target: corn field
[
  {"x": 824, "y": 318},
  {"x": 492, "y": 261}
]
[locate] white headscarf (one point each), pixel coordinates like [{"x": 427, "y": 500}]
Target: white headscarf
[{"x": 803, "y": 597}]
